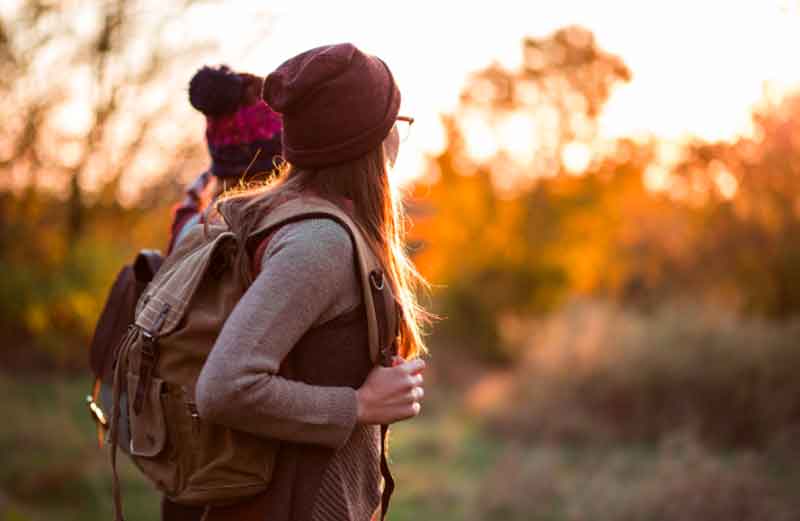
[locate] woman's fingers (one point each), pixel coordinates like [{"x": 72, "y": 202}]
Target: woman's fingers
[
  {"x": 403, "y": 376},
  {"x": 408, "y": 407},
  {"x": 413, "y": 366},
  {"x": 408, "y": 411},
  {"x": 392, "y": 394},
  {"x": 415, "y": 394}
]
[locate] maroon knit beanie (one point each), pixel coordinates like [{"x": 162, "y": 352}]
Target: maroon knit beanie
[{"x": 337, "y": 102}]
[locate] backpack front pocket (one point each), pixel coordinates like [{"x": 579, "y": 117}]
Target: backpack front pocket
[
  {"x": 149, "y": 426},
  {"x": 151, "y": 448}
]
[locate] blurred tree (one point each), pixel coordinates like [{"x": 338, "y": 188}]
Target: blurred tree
[
  {"x": 747, "y": 194},
  {"x": 509, "y": 227},
  {"x": 549, "y": 102},
  {"x": 85, "y": 98},
  {"x": 494, "y": 232},
  {"x": 90, "y": 93}
]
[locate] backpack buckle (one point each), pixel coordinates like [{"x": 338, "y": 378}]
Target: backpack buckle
[
  {"x": 148, "y": 359},
  {"x": 376, "y": 279},
  {"x": 149, "y": 345}
]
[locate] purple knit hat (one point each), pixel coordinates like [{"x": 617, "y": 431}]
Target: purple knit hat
[
  {"x": 243, "y": 133},
  {"x": 337, "y": 102}
]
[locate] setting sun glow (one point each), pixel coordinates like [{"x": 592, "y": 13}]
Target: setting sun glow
[
  {"x": 690, "y": 76},
  {"x": 685, "y": 83}
]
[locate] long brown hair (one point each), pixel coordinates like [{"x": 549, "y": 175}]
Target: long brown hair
[{"x": 377, "y": 208}]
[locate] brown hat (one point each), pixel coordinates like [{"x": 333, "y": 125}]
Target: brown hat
[{"x": 337, "y": 102}]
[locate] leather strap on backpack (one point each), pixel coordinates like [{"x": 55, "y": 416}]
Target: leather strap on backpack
[
  {"x": 387, "y": 307},
  {"x": 120, "y": 368},
  {"x": 388, "y": 479}
]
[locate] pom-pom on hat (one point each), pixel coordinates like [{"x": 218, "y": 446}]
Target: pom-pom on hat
[
  {"x": 215, "y": 91},
  {"x": 337, "y": 103}
]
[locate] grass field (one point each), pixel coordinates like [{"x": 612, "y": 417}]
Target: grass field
[
  {"x": 52, "y": 468},
  {"x": 447, "y": 467}
]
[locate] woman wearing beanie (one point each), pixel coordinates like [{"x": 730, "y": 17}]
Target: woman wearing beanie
[
  {"x": 242, "y": 132},
  {"x": 292, "y": 361}
]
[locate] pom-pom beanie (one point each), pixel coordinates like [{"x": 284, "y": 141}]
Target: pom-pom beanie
[{"x": 240, "y": 128}]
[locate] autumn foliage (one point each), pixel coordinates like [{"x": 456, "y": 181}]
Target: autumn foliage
[{"x": 507, "y": 236}]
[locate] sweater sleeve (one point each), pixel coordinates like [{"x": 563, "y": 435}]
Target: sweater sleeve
[{"x": 307, "y": 277}]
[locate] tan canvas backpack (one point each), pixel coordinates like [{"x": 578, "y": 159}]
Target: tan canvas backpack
[{"x": 177, "y": 320}]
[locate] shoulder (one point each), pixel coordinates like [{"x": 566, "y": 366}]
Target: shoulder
[
  {"x": 318, "y": 240},
  {"x": 312, "y": 261}
]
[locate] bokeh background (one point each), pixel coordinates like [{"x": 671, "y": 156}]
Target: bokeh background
[{"x": 605, "y": 197}]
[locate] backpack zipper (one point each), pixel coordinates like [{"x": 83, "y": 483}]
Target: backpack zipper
[{"x": 195, "y": 416}]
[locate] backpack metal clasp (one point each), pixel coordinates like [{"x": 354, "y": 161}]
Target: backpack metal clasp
[
  {"x": 376, "y": 279},
  {"x": 149, "y": 358}
]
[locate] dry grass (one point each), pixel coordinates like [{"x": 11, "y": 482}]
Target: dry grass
[
  {"x": 611, "y": 416},
  {"x": 679, "y": 481},
  {"x": 597, "y": 373},
  {"x": 52, "y": 468}
]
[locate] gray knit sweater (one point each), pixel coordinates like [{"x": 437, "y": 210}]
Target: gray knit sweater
[{"x": 307, "y": 278}]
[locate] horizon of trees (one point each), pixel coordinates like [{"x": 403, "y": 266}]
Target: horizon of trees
[{"x": 507, "y": 235}]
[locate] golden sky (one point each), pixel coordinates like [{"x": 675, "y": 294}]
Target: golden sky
[{"x": 698, "y": 66}]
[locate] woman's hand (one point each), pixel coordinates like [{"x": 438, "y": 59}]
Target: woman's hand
[{"x": 391, "y": 394}]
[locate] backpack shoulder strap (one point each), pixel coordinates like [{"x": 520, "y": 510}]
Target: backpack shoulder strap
[
  {"x": 378, "y": 299},
  {"x": 369, "y": 267}
]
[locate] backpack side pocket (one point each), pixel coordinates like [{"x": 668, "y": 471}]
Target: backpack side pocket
[{"x": 152, "y": 446}]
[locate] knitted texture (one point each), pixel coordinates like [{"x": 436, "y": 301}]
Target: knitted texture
[
  {"x": 307, "y": 278},
  {"x": 351, "y": 485},
  {"x": 215, "y": 91},
  {"x": 249, "y": 124},
  {"x": 250, "y": 135},
  {"x": 243, "y": 133},
  {"x": 337, "y": 102}
]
